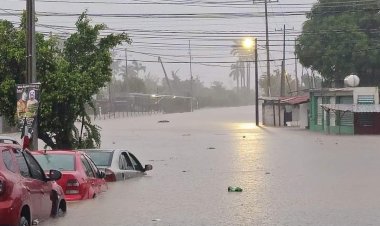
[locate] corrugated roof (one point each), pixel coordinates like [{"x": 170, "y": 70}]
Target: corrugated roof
[
  {"x": 296, "y": 100},
  {"x": 356, "y": 108}
]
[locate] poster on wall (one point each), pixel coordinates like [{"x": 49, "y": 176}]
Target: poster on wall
[{"x": 27, "y": 104}]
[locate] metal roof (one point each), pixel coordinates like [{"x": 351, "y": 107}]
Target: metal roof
[
  {"x": 288, "y": 100},
  {"x": 356, "y": 108}
]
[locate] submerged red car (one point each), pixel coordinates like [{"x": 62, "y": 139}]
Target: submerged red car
[
  {"x": 81, "y": 179},
  {"x": 27, "y": 195}
]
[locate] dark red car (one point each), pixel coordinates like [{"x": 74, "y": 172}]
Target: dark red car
[
  {"x": 27, "y": 195},
  {"x": 81, "y": 179}
]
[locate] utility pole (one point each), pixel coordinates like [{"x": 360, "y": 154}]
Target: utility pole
[
  {"x": 191, "y": 72},
  {"x": 296, "y": 68},
  {"x": 191, "y": 80},
  {"x": 126, "y": 63},
  {"x": 256, "y": 85},
  {"x": 282, "y": 93},
  {"x": 31, "y": 59},
  {"x": 267, "y": 90}
]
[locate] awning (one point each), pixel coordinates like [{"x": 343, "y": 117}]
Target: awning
[
  {"x": 287, "y": 100},
  {"x": 356, "y": 108},
  {"x": 296, "y": 100}
]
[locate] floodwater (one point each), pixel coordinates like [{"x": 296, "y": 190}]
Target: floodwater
[{"x": 289, "y": 176}]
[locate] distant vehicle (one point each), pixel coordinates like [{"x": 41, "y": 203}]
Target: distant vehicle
[
  {"x": 117, "y": 164},
  {"x": 27, "y": 195},
  {"x": 8, "y": 140},
  {"x": 81, "y": 179}
]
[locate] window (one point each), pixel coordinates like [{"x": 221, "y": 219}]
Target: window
[
  {"x": 87, "y": 167},
  {"x": 346, "y": 118},
  {"x": 8, "y": 161},
  {"x": 136, "y": 162},
  {"x": 128, "y": 160},
  {"x": 101, "y": 158},
  {"x": 23, "y": 166},
  {"x": 92, "y": 164},
  {"x": 122, "y": 163},
  {"x": 62, "y": 162},
  {"x": 35, "y": 168}
]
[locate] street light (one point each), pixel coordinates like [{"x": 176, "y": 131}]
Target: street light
[{"x": 249, "y": 43}]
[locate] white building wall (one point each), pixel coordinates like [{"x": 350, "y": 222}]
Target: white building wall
[
  {"x": 303, "y": 115},
  {"x": 366, "y": 91},
  {"x": 332, "y": 113},
  {"x": 268, "y": 119}
]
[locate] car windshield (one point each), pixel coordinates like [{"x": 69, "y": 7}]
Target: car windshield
[
  {"x": 101, "y": 158},
  {"x": 62, "y": 162}
]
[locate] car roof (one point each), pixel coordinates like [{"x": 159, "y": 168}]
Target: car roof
[
  {"x": 6, "y": 145},
  {"x": 8, "y": 138},
  {"x": 67, "y": 152},
  {"x": 100, "y": 150}
]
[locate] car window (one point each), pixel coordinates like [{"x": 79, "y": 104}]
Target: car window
[
  {"x": 92, "y": 164},
  {"x": 122, "y": 163},
  {"x": 64, "y": 162},
  {"x": 136, "y": 164},
  {"x": 35, "y": 169},
  {"x": 8, "y": 141},
  {"x": 101, "y": 158},
  {"x": 128, "y": 160},
  {"x": 87, "y": 168},
  {"x": 23, "y": 166},
  {"x": 8, "y": 161}
]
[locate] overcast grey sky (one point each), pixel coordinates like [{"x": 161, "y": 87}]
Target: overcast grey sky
[{"x": 211, "y": 38}]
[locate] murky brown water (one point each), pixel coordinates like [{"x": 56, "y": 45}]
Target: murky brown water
[{"x": 289, "y": 176}]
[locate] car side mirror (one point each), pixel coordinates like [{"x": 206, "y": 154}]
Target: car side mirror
[
  {"x": 148, "y": 167},
  {"x": 101, "y": 174},
  {"x": 54, "y": 175}
]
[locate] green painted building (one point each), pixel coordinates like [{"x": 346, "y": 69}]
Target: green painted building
[{"x": 326, "y": 115}]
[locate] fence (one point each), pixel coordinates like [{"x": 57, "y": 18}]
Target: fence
[{"x": 135, "y": 104}]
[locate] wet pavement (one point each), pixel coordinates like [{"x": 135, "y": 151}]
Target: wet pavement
[{"x": 289, "y": 176}]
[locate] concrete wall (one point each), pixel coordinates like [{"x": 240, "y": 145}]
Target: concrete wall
[
  {"x": 366, "y": 91},
  {"x": 268, "y": 119},
  {"x": 303, "y": 116}
]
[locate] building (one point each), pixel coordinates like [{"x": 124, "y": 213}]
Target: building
[
  {"x": 285, "y": 111},
  {"x": 353, "y": 110}
]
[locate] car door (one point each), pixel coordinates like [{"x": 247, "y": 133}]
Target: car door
[
  {"x": 99, "y": 182},
  {"x": 31, "y": 185},
  {"x": 90, "y": 179},
  {"x": 136, "y": 163},
  {"x": 129, "y": 169},
  {"x": 45, "y": 187}
]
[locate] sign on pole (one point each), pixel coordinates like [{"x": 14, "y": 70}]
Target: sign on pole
[{"x": 27, "y": 107}]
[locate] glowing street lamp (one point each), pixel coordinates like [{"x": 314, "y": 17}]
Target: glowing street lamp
[{"x": 249, "y": 43}]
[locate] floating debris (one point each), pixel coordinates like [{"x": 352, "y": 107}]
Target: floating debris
[{"x": 234, "y": 189}]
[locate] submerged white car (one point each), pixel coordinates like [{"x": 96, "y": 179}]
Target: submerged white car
[
  {"x": 117, "y": 164},
  {"x": 8, "y": 140}
]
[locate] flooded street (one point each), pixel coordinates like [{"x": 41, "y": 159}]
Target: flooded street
[{"x": 289, "y": 176}]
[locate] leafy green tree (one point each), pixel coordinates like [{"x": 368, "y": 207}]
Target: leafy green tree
[
  {"x": 275, "y": 77},
  {"x": 342, "y": 38},
  {"x": 83, "y": 69},
  {"x": 13, "y": 62}
]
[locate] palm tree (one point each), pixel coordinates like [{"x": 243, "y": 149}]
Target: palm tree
[
  {"x": 245, "y": 56},
  {"x": 134, "y": 69},
  {"x": 237, "y": 72}
]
